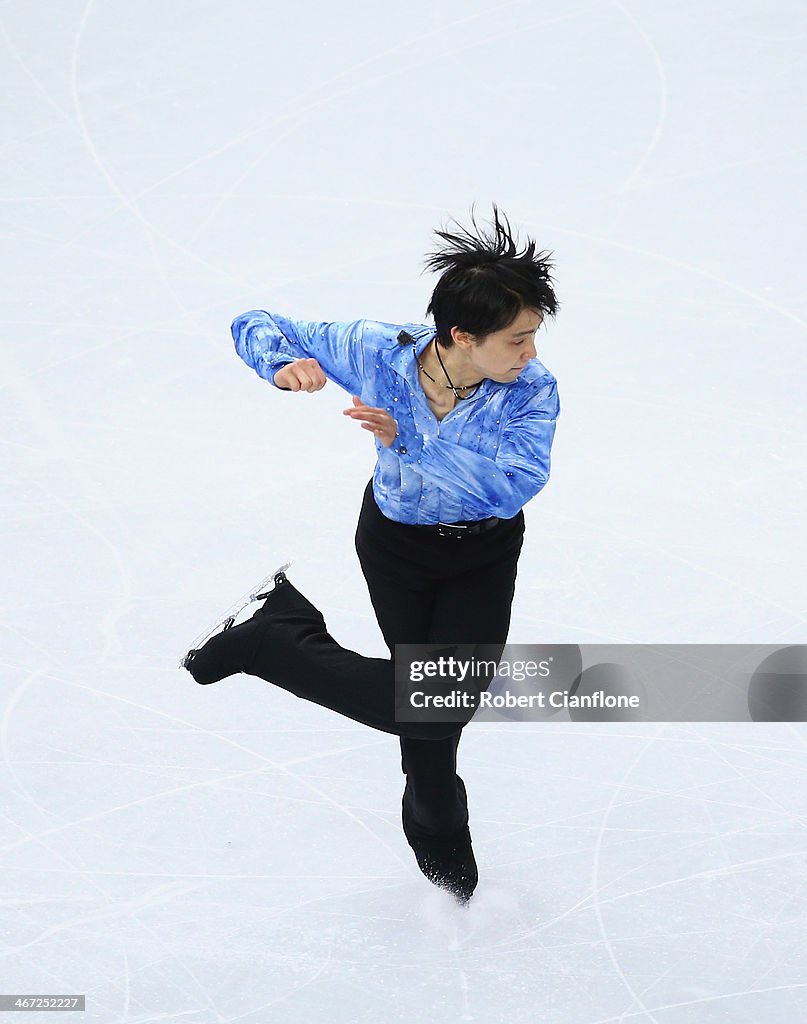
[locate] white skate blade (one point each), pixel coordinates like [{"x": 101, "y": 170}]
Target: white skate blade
[{"x": 227, "y": 620}]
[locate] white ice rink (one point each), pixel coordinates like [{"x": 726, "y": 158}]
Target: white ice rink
[{"x": 231, "y": 854}]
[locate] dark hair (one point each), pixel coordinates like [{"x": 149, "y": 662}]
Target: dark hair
[{"x": 485, "y": 282}]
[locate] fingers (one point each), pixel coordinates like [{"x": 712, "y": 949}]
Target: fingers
[
  {"x": 378, "y": 421},
  {"x": 304, "y": 375},
  {"x": 312, "y": 377},
  {"x": 369, "y": 415},
  {"x": 386, "y": 435},
  {"x": 362, "y": 411}
]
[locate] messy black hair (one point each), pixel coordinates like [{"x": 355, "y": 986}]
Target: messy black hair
[{"x": 486, "y": 282}]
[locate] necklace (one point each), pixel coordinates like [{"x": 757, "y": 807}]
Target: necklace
[{"x": 456, "y": 390}]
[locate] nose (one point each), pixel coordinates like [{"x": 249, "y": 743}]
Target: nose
[{"x": 530, "y": 352}]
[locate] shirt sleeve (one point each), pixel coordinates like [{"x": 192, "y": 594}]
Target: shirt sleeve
[
  {"x": 269, "y": 341},
  {"x": 498, "y": 486}
]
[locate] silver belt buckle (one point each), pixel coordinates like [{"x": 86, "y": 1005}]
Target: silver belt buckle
[{"x": 447, "y": 530}]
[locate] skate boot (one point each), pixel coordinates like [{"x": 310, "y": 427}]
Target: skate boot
[
  {"x": 447, "y": 861},
  {"x": 226, "y": 648},
  {"x": 451, "y": 867}
]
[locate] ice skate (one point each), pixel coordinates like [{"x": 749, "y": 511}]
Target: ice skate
[
  {"x": 452, "y": 867},
  {"x": 447, "y": 861},
  {"x": 222, "y": 650}
]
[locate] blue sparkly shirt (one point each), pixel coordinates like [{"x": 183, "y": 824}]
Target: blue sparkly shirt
[{"x": 487, "y": 457}]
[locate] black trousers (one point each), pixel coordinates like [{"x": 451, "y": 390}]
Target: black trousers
[
  {"x": 430, "y": 589},
  {"x": 424, "y": 589},
  {"x": 286, "y": 642}
]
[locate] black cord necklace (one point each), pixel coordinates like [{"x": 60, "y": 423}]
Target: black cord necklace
[{"x": 456, "y": 390}]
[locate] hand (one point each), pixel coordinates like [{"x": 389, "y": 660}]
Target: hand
[
  {"x": 301, "y": 375},
  {"x": 378, "y": 420}
]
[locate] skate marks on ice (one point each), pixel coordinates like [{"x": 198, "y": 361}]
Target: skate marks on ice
[
  {"x": 493, "y": 912},
  {"x": 462, "y": 938}
]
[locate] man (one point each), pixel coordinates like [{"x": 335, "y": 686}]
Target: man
[{"x": 463, "y": 416}]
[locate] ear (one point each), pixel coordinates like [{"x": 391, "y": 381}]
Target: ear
[{"x": 462, "y": 339}]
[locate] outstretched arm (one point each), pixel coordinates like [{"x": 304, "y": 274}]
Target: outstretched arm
[{"x": 268, "y": 342}]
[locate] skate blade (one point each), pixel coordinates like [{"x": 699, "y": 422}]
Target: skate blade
[{"x": 227, "y": 620}]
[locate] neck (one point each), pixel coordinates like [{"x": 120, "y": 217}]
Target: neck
[{"x": 456, "y": 363}]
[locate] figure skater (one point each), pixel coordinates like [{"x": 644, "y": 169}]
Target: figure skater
[{"x": 463, "y": 416}]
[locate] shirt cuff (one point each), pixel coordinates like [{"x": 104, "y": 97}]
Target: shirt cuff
[{"x": 272, "y": 365}]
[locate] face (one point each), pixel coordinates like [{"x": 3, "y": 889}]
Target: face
[{"x": 502, "y": 356}]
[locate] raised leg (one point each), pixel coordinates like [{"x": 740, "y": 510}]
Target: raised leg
[{"x": 287, "y": 643}]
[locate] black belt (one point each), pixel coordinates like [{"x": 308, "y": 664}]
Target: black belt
[{"x": 460, "y": 530}]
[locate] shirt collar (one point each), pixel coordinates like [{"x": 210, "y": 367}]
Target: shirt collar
[{"x": 403, "y": 360}]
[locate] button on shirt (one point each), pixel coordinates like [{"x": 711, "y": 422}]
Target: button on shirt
[{"x": 487, "y": 457}]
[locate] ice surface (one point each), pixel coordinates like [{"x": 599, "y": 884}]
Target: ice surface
[{"x": 228, "y": 853}]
